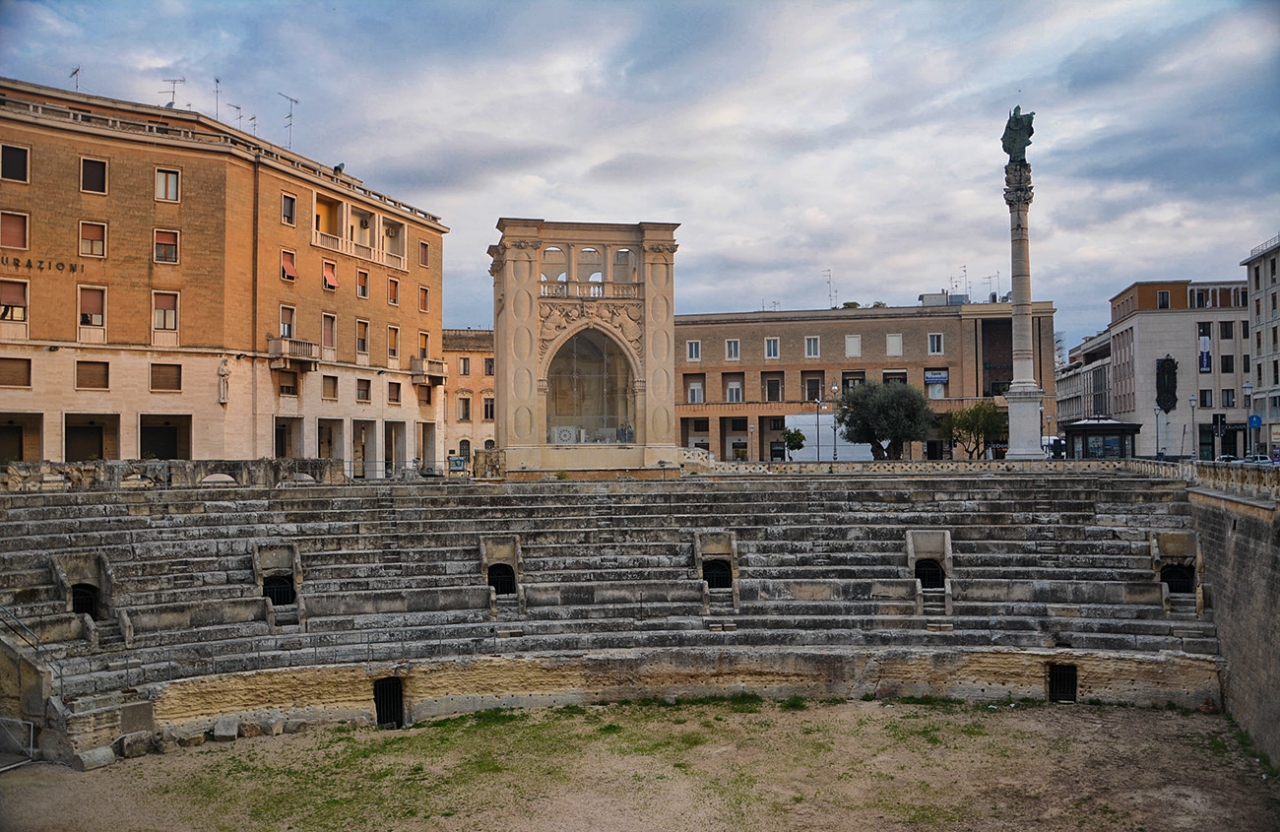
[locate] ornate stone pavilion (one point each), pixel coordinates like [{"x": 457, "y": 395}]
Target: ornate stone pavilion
[{"x": 584, "y": 338}]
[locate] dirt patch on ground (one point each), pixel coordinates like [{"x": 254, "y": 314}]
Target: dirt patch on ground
[{"x": 739, "y": 764}]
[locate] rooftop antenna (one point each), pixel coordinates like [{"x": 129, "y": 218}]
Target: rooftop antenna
[
  {"x": 831, "y": 294},
  {"x": 217, "y": 93},
  {"x": 996, "y": 278},
  {"x": 253, "y": 124},
  {"x": 239, "y": 115},
  {"x": 75, "y": 73},
  {"x": 289, "y": 119},
  {"x": 173, "y": 90}
]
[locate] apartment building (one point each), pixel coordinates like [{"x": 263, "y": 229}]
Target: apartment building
[
  {"x": 1260, "y": 270},
  {"x": 1084, "y": 382},
  {"x": 741, "y": 374},
  {"x": 1179, "y": 357},
  {"x": 469, "y": 403},
  {"x": 173, "y": 288}
]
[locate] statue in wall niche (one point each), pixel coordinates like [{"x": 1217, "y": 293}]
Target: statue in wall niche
[
  {"x": 224, "y": 383},
  {"x": 1017, "y": 135}
]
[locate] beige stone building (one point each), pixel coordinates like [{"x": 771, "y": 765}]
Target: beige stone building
[
  {"x": 1264, "y": 312},
  {"x": 742, "y": 374},
  {"x": 1204, "y": 327},
  {"x": 469, "y": 404},
  {"x": 171, "y": 287},
  {"x": 584, "y": 346}
]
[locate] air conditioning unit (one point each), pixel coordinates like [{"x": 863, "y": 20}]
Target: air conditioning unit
[
  {"x": 364, "y": 223},
  {"x": 391, "y": 231}
]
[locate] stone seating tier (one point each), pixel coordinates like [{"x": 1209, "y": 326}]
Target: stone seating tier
[{"x": 1036, "y": 561}]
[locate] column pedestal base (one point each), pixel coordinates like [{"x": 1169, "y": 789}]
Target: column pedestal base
[{"x": 1024, "y": 401}]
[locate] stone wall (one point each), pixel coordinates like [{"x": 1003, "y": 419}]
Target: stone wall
[
  {"x": 1239, "y": 539},
  {"x": 461, "y": 684}
]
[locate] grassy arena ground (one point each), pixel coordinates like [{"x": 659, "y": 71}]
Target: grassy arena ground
[{"x": 735, "y": 764}]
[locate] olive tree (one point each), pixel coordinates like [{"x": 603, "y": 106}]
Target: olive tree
[
  {"x": 976, "y": 428},
  {"x": 879, "y": 413},
  {"x": 794, "y": 440}
]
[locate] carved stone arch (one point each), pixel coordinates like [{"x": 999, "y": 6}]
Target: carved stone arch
[
  {"x": 589, "y": 263},
  {"x": 553, "y": 263},
  {"x": 553, "y": 346},
  {"x": 592, "y": 395}
]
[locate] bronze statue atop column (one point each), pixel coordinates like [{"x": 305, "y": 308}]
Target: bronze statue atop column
[{"x": 1017, "y": 134}]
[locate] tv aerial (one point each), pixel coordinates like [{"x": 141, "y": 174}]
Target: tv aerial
[{"x": 173, "y": 90}]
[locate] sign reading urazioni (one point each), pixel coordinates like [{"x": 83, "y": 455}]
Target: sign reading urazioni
[{"x": 36, "y": 265}]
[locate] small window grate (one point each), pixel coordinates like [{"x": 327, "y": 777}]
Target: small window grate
[
  {"x": 1062, "y": 683},
  {"x": 930, "y": 574},
  {"x": 388, "y": 702},
  {"x": 502, "y": 578},
  {"x": 718, "y": 574},
  {"x": 1181, "y": 579},
  {"x": 84, "y": 600},
  {"x": 279, "y": 590}
]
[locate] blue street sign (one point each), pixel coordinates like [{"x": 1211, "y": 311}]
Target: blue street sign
[{"x": 1255, "y": 421}]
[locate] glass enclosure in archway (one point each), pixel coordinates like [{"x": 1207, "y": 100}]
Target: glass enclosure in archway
[{"x": 589, "y": 392}]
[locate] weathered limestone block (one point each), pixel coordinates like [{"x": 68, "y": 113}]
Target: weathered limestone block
[
  {"x": 226, "y": 729},
  {"x": 191, "y": 739},
  {"x": 250, "y": 729},
  {"x": 135, "y": 744},
  {"x": 93, "y": 758}
]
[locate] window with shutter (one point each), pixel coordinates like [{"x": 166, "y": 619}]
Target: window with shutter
[
  {"x": 15, "y": 372},
  {"x": 13, "y": 230},
  {"x": 92, "y": 307},
  {"x": 13, "y": 300},
  {"x": 166, "y": 376},
  {"x": 166, "y": 311},
  {"x": 166, "y": 246},
  {"x": 92, "y": 375},
  {"x": 93, "y": 239}
]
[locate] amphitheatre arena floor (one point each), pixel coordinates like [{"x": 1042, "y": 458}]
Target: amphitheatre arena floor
[{"x": 737, "y": 764}]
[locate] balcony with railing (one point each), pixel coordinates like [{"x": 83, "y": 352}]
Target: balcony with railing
[
  {"x": 427, "y": 372},
  {"x": 590, "y": 289},
  {"x": 293, "y": 354},
  {"x": 332, "y": 242}
]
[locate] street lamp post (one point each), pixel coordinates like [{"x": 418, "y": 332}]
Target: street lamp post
[
  {"x": 817, "y": 427},
  {"x": 1195, "y": 431},
  {"x": 1248, "y": 416},
  {"x": 1158, "y": 454},
  {"x": 835, "y": 399}
]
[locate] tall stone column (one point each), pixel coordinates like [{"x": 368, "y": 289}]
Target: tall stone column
[{"x": 1024, "y": 395}]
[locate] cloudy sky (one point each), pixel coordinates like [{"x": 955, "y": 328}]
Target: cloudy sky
[{"x": 789, "y": 139}]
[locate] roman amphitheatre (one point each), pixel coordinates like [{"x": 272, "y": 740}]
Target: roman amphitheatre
[{"x": 168, "y": 604}]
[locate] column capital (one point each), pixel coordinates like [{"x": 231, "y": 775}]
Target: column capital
[{"x": 1017, "y": 185}]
